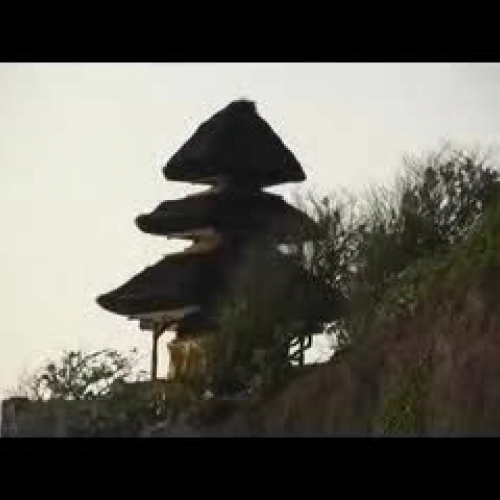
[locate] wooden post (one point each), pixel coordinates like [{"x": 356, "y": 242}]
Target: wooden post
[
  {"x": 302, "y": 349},
  {"x": 302, "y": 343},
  {"x": 154, "y": 354}
]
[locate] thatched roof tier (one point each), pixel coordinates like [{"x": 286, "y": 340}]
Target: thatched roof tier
[
  {"x": 189, "y": 280},
  {"x": 235, "y": 146},
  {"x": 229, "y": 212},
  {"x": 178, "y": 280}
]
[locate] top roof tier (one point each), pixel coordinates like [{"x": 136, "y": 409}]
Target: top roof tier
[{"x": 235, "y": 146}]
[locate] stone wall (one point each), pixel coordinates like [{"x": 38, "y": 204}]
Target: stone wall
[
  {"x": 132, "y": 408},
  {"x": 24, "y": 418}
]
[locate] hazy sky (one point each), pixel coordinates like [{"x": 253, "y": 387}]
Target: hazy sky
[{"x": 82, "y": 146}]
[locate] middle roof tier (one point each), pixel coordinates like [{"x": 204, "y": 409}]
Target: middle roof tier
[{"x": 229, "y": 211}]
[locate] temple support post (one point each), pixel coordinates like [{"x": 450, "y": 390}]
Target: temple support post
[
  {"x": 302, "y": 350},
  {"x": 157, "y": 331},
  {"x": 302, "y": 343}
]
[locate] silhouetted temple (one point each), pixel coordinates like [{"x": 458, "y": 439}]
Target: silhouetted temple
[{"x": 237, "y": 154}]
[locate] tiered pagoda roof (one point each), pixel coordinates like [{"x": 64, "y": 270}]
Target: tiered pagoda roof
[{"x": 239, "y": 154}]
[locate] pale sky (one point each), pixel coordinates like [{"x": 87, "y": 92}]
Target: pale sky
[{"x": 82, "y": 146}]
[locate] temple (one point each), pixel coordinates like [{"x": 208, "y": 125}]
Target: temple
[{"x": 237, "y": 155}]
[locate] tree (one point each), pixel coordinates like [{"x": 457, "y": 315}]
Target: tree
[
  {"x": 78, "y": 375},
  {"x": 365, "y": 245},
  {"x": 271, "y": 308},
  {"x": 434, "y": 203},
  {"x": 331, "y": 254},
  {"x": 444, "y": 193}
]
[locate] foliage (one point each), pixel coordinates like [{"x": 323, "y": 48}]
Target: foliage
[
  {"x": 269, "y": 304},
  {"x": 374, "y": 254},
  {"x": 81, "y": 376},
  {"x": 378, "y": 250},
  {"x": 133, "y": 407},
  {"x": 403, "y": 412},
  {"x": 330, "y": 253}
]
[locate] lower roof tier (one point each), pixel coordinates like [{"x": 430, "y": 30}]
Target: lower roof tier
[
  {"x": 180, "y": 279},
  {"x": 229, "y": 211},
  {"x": 192, "y": 282}
]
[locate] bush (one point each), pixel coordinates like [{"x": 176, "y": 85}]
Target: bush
[
  {"x": 366, "y": 248},
  {"x": 271, "y": 304},
  {"x": 81, "y": 376}
]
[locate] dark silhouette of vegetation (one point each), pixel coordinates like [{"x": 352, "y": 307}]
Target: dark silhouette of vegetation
[
  {"x": 366, "y": 246},
  {"x": 81, "y": 376},
  {"x": 371, "y": 252},
  {"x": 267, "y": 309}
]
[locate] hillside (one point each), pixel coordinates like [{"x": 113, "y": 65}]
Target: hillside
[{"x": 430, "y": 370}]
